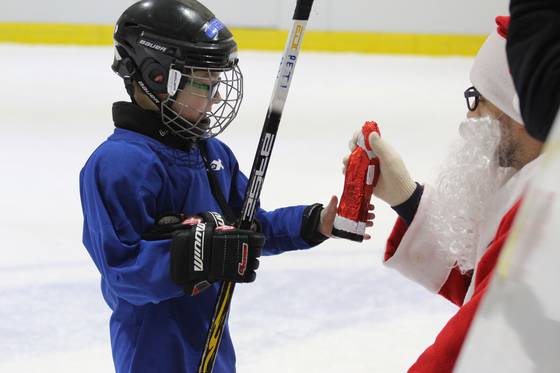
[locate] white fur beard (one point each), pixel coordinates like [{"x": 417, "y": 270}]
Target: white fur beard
[{"x": 465, "y": 186}]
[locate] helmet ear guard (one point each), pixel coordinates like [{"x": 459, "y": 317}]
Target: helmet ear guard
[
  {"x": 154, "y": 75},
  {"x": 151, "y": 72}
]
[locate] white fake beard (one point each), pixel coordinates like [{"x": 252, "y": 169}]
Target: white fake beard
[{"x": 465, "y": 188}]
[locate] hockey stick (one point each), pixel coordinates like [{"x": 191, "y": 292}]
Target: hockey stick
[{"x": 258, "y": 173}]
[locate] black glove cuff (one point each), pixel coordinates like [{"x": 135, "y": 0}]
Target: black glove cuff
[
  {"x": 407, "y": 210},
  {"x": 310, "y": 225},
  {"x": 190, "y": 255},
  {"x": 179, "y": 257}
]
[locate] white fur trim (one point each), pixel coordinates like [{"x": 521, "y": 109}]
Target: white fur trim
[
  {"x": 418, "y": 257},
  {"x": 370, "y": 174},
  {"x": 344, "y": 224},
  {"x": 361, "y": 142},
  {"x": 516, "y": 105},
  {"x": 491, "y": 76}
]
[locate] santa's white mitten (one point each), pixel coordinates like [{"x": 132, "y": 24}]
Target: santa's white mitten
[{"x": 395, "y": 185}]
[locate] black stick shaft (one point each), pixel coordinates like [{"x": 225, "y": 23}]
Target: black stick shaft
[{"x": 258, "y": 173}]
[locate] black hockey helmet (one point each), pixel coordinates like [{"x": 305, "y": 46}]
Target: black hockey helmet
[{"x": 167, "y": 46}]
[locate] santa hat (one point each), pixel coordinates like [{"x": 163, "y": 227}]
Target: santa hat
[{"x": 490, "y": 73}]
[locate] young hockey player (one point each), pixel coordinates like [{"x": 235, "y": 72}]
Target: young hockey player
[{"x": 158, "y": 194}]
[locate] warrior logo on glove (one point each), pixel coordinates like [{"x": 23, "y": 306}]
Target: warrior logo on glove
[{"x": 199, "y": 247}]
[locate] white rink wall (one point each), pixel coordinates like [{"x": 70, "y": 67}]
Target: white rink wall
[{"x": 396, "y": 16}]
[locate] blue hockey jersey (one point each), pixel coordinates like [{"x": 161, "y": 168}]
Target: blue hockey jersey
[{"x": 128, "y": 182}]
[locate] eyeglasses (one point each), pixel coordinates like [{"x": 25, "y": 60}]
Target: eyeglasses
[
  {"x": 472, "y": 95},
  {"x": 207, "y": 81},
  {"x": 211, "y": 88}
]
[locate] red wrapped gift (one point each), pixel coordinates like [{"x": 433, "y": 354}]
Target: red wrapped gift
[{"x": 361, "y": 176}]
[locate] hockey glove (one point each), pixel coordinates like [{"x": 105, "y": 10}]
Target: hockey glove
[{"x": 204, "y": 250}]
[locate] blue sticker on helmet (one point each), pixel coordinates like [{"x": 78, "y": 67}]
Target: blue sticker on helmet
[{"x": 214, "y": 26}]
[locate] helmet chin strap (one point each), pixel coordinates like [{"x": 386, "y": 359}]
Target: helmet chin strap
[{"x": 130, "y": 73}]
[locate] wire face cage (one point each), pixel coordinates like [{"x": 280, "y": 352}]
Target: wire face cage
[{"x": 202, "y": 102}]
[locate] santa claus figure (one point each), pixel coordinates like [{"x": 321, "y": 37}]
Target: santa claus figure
[
  {"x": 361, "y": 175},
  {"x": 449, "y": 235}
]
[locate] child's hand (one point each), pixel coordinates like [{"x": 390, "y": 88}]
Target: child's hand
[
  {"x": 327, "y": 217},
  {"x": 328, "y": 214}
]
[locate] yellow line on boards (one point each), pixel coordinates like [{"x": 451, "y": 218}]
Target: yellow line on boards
[
  {"x": 47, "y": 33},
  {"x": 416, "y": 44},
  {"x": 262, "y": 39}
]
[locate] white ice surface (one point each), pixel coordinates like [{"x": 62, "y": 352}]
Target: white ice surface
[{"x": 334, "y": 308}]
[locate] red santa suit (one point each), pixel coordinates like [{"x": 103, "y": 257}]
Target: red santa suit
[{"x": 412, "y": 251}]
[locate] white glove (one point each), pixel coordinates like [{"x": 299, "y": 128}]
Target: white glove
[{"x": 395, "y": 185}]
